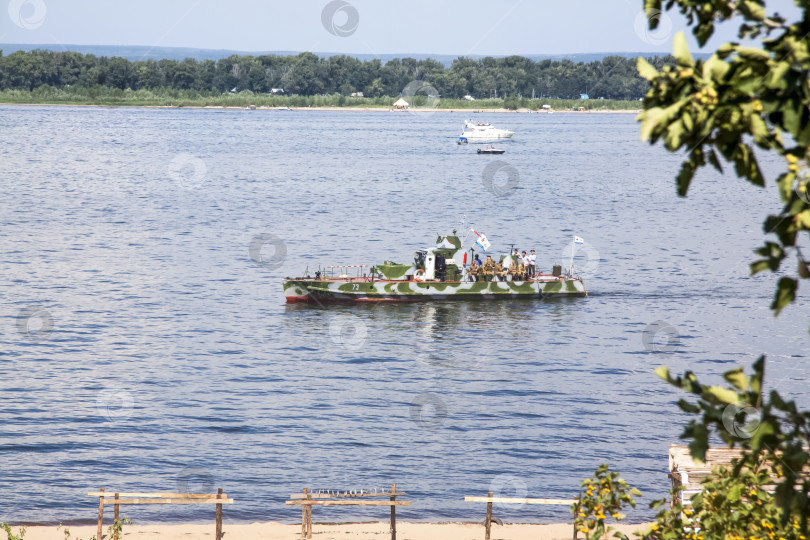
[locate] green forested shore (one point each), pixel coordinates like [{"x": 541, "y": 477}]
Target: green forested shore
[
  {"x": 308, "y": 80},
  {"x": 192, "y": 98}
]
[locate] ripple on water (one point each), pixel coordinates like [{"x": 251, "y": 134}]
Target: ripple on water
[{"x": 172, "y": 359}]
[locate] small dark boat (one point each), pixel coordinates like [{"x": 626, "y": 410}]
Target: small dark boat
[{"x": 490, "y": 150}]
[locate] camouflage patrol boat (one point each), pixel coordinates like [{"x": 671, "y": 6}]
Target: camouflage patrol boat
[{"x": 437, "y": 273}]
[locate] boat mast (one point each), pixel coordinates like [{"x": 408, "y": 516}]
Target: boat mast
[{"x": 465, "y": 230}]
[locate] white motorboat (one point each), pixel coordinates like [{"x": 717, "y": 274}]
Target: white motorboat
[{"x": 485, "y": 131}]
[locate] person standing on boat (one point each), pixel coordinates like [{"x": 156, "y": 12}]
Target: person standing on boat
[
  {"x": 532, "y": 264},
  {"x": 524, "y": 265},
  {"x": 441, "y": 267}
]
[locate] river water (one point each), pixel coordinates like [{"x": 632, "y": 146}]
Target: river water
[{"x": 147, "y": 347}]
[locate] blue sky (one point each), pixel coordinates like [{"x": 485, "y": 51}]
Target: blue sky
[{"x": 496, "y": 27}]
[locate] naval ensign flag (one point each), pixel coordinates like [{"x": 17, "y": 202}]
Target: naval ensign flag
[
  {"x": 577, "y": 241},
  {"x": 482, "y": 240}
]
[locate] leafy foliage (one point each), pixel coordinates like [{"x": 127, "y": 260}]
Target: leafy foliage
[
  {"x": 66, "y": 533},
  {"x": 734, "y": 504},
  {"x": 717, "y": 108},
  {"x": 114, "y": 531},
  {"x": 7, "y": 528},
  {"x": 775, "y": 449},
  {"x": 721, "y": 108},
  {"x": 606, "y": 494}
]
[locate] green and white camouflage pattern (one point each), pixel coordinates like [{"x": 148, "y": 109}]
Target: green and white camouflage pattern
[
  {"x": 363, "y": 289},
  {"x": 392, "y": 282}
]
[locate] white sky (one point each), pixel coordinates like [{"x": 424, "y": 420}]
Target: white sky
[{"x": 486, "y": 27}]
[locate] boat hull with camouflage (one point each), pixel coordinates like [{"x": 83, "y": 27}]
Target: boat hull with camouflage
[
  {"x": 366, "y": 290},
  {"x": 435, "y": 275}
]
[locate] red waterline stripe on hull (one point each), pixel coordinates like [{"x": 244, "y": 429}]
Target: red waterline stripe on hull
[
  {"x": 389, "y": 299},
  {"x": 345, "y": 300},
  {"x": 426, "y": 298}
]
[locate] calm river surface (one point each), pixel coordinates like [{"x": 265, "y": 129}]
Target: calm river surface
[{"x": 142, "y": 348}]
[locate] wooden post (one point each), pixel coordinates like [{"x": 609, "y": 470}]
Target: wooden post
[
  {"x": 219, "y": 516},
  {"x": 488, "y": 524},
  {"x": 393, "y": 513},
  {"x": 674, "y": 485},
  {"x": 100, "y": 513},
  {"x": 304, "y": 517},
  {"x": 115, "y": 517},
  {"x": 309, "y": 516}
]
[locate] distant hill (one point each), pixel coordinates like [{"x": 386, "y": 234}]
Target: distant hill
[{"x": 138, "y": 52}]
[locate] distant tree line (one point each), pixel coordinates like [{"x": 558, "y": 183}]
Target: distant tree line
[{"x": 614, "y": 77}]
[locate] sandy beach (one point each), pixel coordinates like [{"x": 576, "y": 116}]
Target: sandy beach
[
  {"x": 329, "y": 531},
  {"x": 416, "y": 110},
  {"x": 419, "y": 110}
]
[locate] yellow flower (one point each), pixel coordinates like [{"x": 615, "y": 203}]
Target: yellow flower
[
  {"x": 791, "y": 158},
  {"x": 654, "y": 527}
]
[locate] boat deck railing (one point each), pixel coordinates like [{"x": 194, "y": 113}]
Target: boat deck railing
[{"x": 540, "y": 278}]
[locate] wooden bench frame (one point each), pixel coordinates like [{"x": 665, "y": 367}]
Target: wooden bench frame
[
  {"x": 489, "y": 499},
  {"x": 307, "y": 499},
  {"x": 217, "y": 498},
  {"x": 687, "y": 474}
]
